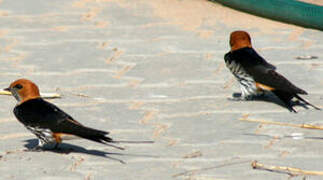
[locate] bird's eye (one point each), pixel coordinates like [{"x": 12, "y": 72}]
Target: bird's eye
[{"x": 18, "y": 86}]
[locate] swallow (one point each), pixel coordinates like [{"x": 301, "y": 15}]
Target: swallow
[
  {"x": 50, "y": 124},
  {"x": 256, "y": 76}
]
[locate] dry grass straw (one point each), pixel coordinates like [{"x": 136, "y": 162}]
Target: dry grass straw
[
  {"x": 306, "y": 126},
  {"x": 44, "y": 95},
  {"x": 285, "y": 170}
]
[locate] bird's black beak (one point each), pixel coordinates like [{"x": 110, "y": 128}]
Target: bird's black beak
[{"x": 7, "y": 89}]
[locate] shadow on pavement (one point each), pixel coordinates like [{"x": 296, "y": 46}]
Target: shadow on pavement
[
  {"x": 271, "y": 98},
  {"x": 69, "y": 148}
]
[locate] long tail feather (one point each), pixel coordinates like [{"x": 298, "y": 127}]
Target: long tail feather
[
  {"x": 285, "y": 97},
  {"x": 94, "y": 134},
  {"x": 306, "y": 102}
]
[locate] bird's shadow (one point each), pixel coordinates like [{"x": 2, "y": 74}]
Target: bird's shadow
[
  {"x": 271, "y": 98},
  {"x": 69, "y": 148}
]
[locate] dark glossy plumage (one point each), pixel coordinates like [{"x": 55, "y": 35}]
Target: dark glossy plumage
[
  {"x": 261, "y": 71},
  {"x": 44, "y": 115},
  {"x": 264, "y": 73},
  {"x": 248, "y": 57}
]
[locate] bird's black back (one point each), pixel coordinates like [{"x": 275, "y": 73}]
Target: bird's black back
[
  {"x": 42, "y": 114},
  {"x": 248, "y": 58},
  {"x": 38, "y": 112},
  {"x": 261, "y": 71}
]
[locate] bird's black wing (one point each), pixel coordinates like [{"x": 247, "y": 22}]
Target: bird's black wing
[
  {"x": 42, "y": 114},
  {"x": 276, "y": 81},
  {"x": 263, "y": 72}
]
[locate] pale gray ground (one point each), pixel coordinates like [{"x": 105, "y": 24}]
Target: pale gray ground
[{"x": 154, "y": 70}]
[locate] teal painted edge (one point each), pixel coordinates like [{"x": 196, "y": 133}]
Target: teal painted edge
[{"x": 289, "y": 11}]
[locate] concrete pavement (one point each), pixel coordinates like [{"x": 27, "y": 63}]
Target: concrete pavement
[{"x": 154, "y": 70}]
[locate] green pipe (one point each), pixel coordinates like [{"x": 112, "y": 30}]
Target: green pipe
[{"x": 289, "y": 11}]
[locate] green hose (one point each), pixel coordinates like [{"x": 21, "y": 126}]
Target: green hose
[{"x": 289, "y": 11}]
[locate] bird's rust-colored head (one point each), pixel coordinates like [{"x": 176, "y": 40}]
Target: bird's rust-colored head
[
  {"x": 23, "y": 90},
  {"x": 239, "y": 39}
]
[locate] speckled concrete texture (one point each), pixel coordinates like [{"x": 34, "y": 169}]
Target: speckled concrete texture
[{"x": 154, "y": 70}]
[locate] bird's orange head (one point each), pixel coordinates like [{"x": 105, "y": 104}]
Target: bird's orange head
[
  {"x": 23, "y": 90},
  {"x": 239, "y": 39}
]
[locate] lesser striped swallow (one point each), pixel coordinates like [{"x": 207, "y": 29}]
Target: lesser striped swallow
[
  {"x": 49, "y": 123},
  {"x": 255, "y": 75}
]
